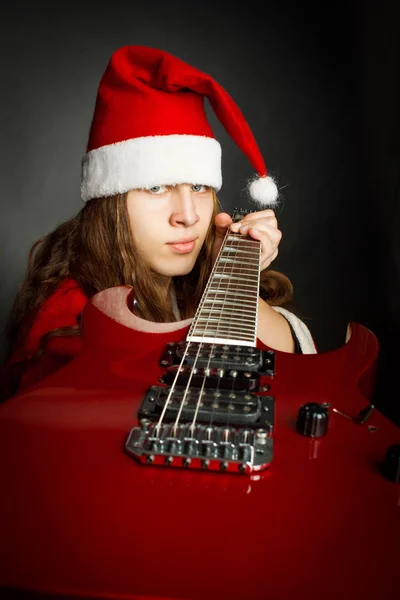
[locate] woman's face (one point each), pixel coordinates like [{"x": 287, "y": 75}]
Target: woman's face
[{"x": 169, "y": 225}]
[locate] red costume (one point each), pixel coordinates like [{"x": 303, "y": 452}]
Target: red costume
[{"x": 61, "y": 309}]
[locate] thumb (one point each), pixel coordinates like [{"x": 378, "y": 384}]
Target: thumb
[{"x": 222, "y": 222}]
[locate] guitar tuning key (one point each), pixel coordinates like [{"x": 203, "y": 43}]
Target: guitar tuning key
[
  {"x": 365, "y": 414},
  {"x": 361, "y": 418}
]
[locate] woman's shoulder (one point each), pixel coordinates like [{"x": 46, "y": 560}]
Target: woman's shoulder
[
  {"x": 67, "y": 295},
  {"x": 60, "y": 309}
]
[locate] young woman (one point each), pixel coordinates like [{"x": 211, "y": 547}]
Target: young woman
[{"x": 151, "y": 218}]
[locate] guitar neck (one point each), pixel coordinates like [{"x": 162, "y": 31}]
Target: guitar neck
[{"x": 228, "y": 310}]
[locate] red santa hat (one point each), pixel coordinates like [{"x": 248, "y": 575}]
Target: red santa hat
[{"x": 150, "y": 128}]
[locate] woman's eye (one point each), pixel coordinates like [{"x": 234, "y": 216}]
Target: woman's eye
[
  {"x": 197, "y": 187},
  {"x": 158, "y": 189}
]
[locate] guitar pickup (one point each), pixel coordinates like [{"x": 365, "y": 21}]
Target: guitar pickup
[
  {"x": 220, "y": 356},
  {"x": 221, "y": 406},
  {"x": 225, "y": 379}
]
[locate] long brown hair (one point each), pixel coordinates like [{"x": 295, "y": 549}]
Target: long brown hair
[{"x": 96, "y": 249}]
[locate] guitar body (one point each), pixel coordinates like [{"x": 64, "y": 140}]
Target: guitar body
[{"x": 82, "y": 517}]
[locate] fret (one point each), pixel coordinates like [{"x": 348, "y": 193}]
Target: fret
[
  {"x": 221, "y": 340},
  {"x": 231, "y": 275},
  {"x": 255, "y": 254},
  {"x": 233, "y": 296},
  {"x": 251, "y": 249},
  {"x": 219, "y": 281},
  {"x": 226, "y": 326},
  {"x": 250, "y": 243},
  {"x": 220, "y": 301},
  {"x": 236, "y": 265},
  {"x": 250, "y": 296},
  {"x": 227, "y": 334},
  {"x": 243, "y": 240},
  {"x": 242, "y": 313},
  {"x": 245, "y": 320},
  {"x": 226, "y": 281},
  {"x": 237, "y": 294},
  {"x": 245, "y": 290},
  {"x": 225, "y": 278},
  {"x": 231, "y": 290},
  {"x": 245, "y": 278},
  {"x": 232, "y": 263},
  {"x": 221, "y": 306},
  {"x": 242, "y": 310},
  {"x": 226, "y": 274},
  {"x": 212, "y": 322},
  {"x": 243, "y": 271},
  {"x": 224, "y": 333},
  {"x": 219, "y": 331}
]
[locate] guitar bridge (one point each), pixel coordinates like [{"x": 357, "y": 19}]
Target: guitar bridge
[
  {"x": 217, "y": 430},
  {"x": 213, "y": 448}
]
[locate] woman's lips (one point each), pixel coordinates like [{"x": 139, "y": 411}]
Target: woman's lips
[{"x": 183, "y": 247}]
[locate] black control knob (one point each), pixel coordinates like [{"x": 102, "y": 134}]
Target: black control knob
[
  {"x": 312, "y": 420},
  {"x": 391, "y": 463}
]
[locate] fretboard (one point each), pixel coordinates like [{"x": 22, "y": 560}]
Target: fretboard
[{"x": 228, "y": 310}]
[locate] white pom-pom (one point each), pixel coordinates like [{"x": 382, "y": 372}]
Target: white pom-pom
[{"x": 263, "y": 191}]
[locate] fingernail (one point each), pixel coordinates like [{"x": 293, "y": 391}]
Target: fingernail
[{"x": 244, "y": 228}]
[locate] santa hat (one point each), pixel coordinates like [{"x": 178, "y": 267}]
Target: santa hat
[{"x": 150, "y": 128}]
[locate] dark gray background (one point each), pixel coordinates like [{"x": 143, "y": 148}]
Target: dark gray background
[{"x": 317, "y": 84}]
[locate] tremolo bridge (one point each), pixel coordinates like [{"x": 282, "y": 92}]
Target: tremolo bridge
[{"x": 212, "y": 417}]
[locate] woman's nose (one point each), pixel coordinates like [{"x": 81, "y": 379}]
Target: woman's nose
[{"x": 183, "y": 207}]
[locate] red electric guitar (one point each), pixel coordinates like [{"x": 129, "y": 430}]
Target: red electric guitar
[{"x": 186, "y": 461}]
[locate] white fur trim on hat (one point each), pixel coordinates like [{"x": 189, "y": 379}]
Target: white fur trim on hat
[
  {"x": 148, "y": 161},
  {"x": 301, "y": 330}
]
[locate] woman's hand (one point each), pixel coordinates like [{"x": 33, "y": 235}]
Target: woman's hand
[{"x": 261, "y": 225}]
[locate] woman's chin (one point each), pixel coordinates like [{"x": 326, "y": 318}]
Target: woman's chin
[{"x": 176, "y": 268}]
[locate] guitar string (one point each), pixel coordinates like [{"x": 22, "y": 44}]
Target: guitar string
[
  {"x": 192, "y": 427},
  {"x": 239, "y": 238},
  {"x": 181, "y": 364},
  {"x": 212, "y": 346},
  {"x": 246, "y": 244},
  {"x": 192, "y": 329},
  {"x": 241, "y": 266},
  {"x": 221, "y": 313},
  {"x": 201, "y": 391},
  {"x": 258, "y": 246},
  {"x": 172, "y": 388}
]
